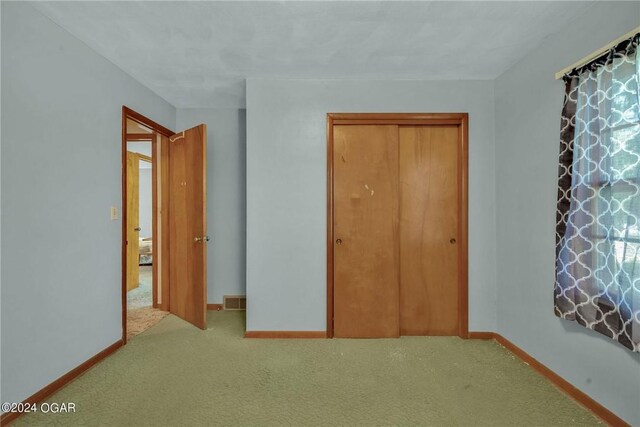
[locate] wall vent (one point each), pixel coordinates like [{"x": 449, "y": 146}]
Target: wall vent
[{"x": 235, "y": 302}]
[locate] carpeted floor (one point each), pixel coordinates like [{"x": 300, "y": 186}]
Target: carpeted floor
[
  {"x": 140, "y": 313},
  {"x": 141, "y": 296},
  {"x": 174, "y": 375},
  {"x": 141, "y": 319}
]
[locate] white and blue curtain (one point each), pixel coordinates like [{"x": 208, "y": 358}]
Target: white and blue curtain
[{"x": 598, "y": 216}]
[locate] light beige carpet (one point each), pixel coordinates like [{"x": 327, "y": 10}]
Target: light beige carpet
[
  {"x": 174, "y": 374},
  {"x": 141, "y": 319},
  {"x": 140, "y": 313}
]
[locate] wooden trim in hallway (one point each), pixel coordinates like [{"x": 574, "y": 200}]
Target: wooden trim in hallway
[
  {"x": 215, "y": 307},
  {"x": 576, "y": 394},
  {"x": 285, "y": 334},
  {"x": 48, "y": 390},
  {"x": 137, "y": 117},
  {"x": 155, "y": 224},
  {"x": 145, "y": 158},
  {"x": 140, "y": 136}
]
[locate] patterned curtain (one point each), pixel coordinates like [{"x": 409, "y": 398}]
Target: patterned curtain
[{"x": 598, "y": 216}]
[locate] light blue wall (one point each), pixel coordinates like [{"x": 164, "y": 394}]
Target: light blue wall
[
  {"x": 145, "y": 201},
  {"x": 61, "y": 171},
  {"x": 226, "y": 197},
  {"x": 528, "y": 107},
  {"x": 286, "y": 189}
]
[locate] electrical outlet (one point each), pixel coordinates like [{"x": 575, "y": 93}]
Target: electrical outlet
[{"x": 114, "y": 213}]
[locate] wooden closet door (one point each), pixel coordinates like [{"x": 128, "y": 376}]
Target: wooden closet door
[
  {"x": 429, "y": 209},
  {"x": 366, "y": 263}
]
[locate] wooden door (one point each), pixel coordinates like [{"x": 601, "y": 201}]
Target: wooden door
[
  {"x": 161, "y": 234},
  {"x": 133, "y": 220},
  {"x": 188, "y": 225},
  {"x": 429, "y": 210},
  {"x": 365, "y": 160}
]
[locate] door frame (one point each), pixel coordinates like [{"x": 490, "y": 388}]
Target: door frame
[
  {"x": 128, "y": 113},
  {"x": 459, "y": 119}
]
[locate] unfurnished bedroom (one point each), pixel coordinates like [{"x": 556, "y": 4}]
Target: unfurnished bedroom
[{"x": 320, "y": 213}]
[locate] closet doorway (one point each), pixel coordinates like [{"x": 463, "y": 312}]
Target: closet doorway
[{"x": 397, "y": 225}]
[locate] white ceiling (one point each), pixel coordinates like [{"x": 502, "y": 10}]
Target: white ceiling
[{"x": 198, "y": 54}]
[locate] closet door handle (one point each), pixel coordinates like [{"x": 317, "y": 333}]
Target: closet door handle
[
  {"x": 452, "y": 241},
  {"x": 338, "y": 241}
]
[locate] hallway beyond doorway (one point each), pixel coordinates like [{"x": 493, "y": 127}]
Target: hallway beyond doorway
[{"x": 140, "y": 312}]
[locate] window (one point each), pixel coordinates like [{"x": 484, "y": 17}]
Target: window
[{"x": 598, "y": 227}]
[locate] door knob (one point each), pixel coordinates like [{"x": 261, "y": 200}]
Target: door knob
[
  {"x": 137, "y": 229},
  {"x": 338, "y": 241},
  {"x": 452, "y": 241},
  {"x": 201, "y": 239}
]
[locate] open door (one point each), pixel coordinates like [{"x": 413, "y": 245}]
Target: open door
[
  {"x": 188, "y": 225},
  {"x": 133, "y": 226}
]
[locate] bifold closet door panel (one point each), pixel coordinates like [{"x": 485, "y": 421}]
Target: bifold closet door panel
[
  {"x": 366, "y": 241},
  {"x": 429, "y": 209}
]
